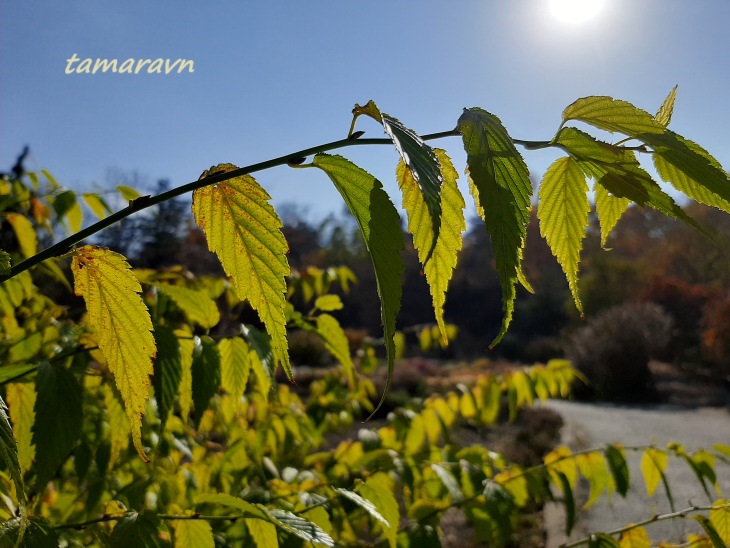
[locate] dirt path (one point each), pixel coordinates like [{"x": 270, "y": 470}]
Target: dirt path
[{"x": 592, "y": 425}]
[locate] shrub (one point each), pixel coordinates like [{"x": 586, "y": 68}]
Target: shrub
[{"x": 613, "y": 351}]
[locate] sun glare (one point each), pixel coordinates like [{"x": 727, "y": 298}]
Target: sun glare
[{"x": 575, "y": 11}]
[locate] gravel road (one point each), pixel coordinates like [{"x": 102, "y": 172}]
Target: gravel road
[{"x": 592, "y": 425}]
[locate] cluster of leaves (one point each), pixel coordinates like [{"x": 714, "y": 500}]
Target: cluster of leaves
[{"x": 148, "y": 330}]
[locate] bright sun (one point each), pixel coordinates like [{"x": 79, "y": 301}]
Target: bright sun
[{"x": 575, "y": 11}]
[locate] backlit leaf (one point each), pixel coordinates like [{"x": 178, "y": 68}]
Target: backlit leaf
[
  {"x": 245, "y": 232},
  {"x": 128, "y": 193},
  {"x": 593, "y": 467},
  {"x": 664, "y": 114},
  {"x": 298, "y": 526},
  {"x": 563, "y": 213},
  {"x": 25, "y": 233},
  {"x": 122, "y": 324},
  {"x": 193, "y": 533},
  {"x": 440, "y": 266},
  {"x": 21, "y": 398},
  {"x": 118, "y": 424},
  {"x": 235, "y": 365},
  {"x": 653, "y": 464},
  {"x": 720, "y": 519},
  {"x": 263, "y": 533},
  {"x": 502, "y": 184},
  {"x": 635, "y": 538},
  {"x": 57, "y": 409},
  {"x": 560, "y": 460},
  {"x": 379, "y": 223},
  {"x": 328, "y": 303},
  {"x": 422, "y": 162},
  {"x": 609, "y": 209},
  {"x": 96, "y": 204},
  {"x": 336, "y": 342},
  {"x": 612, "y": 115},
  {"x": 197, "y": 305},
  {"x": 385, "y": 504},
  {"x": 9, "y": 453},
  {"x": 206, "y": 373},
  {"x": 167, "y": 371},
  {"x": 187, "y": 349}
]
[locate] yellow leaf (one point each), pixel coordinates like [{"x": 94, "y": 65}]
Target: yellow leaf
[
  {"x": 243, "y": 229},
  {"x": 193, "y": 533},
  {"x": 720, "y": 519},
  {"x": 187, "y": 347},
  {"x": 335, "y": 341},
  {"x": 559, "y": 460},
  {"x": 653, "y": 464},
  {"x": 635, "y": 538},
  {"x": 118, "y": 425},
  {"x": 593, "y": 467},
  {"x": 122, "y": 323},
  {"x": 20, "y": 398},
  {"x": 263, "y": 532},
  {"x": 25, "y": 233},
  {"x": 96, "y": 204},
  {"x": 328, "y": 303},
  {"x": 197, "y": 305},
  {"x": 440, "y": 266},
  {"x": 235, "y": 366}
]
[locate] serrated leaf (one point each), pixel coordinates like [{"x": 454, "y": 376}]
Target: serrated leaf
[
  {"x": 21, "y": 398},
  {"x": 235, "y": 365},
  {"x": 57, "y": 409},
  {"x": 386, "y": 505},
  {"x": 502, "y": 184},
  {"x": 563, "y": 210},
  {"x": 634, "y": 538},
  {"x": 328, "y": 303},
  {"x": 122, "y": 324},
  {"x": 709, "y": 528},
  {"x": 118, "y": 425},
  {"x": 197, "y": 305},
  {"x": 263, "y": 532},
  {"x": 593, "y": 467},
  {"x": 422, "y": 162},
  {"x": 619, "y": 469},
  {"x": 4, "y": 263},
  {"x": 720, "y": 519},
  {"x": 664, "y": 114},
  {"x": 609, "y": 209},
  {"x": 440, "y": 266},
  {"x": 206, "y": 374},
  {"x": 298, "y": 526},
  {"x": 96, "y": 204},
  {"x": 141, "y": 530},
  {"x": 167, "y": 371},
  {"x": 336, "y": 343},
  {"x": 366, "y": 505},
  {"x": 25, "y": 233},
  {"x": 128, "y": 193},
  {"x": 9, "y": 453},
  {"x": 653, "y": 464},
  {"x": 612, "y": 115},
  {"x": 193, "y": 533},
  {"x": 379, "y": 223},
  {"x": 243, "y": 229}
]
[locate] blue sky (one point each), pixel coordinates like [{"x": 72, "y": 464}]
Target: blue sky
[{"x": 271, "y": 78}]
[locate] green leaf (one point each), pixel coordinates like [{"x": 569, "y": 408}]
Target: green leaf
[
  {"x": 263, "y": 532},
  {"x": 123, "y": 325},
  {"x": 602, "y": 540},
  {"x": 709, "y": 528},
  {"x": 421, "y": 160},
  {"x": 193, "y": 533},
  {"x": 619, "y": 468},
  {"x": 96, "y": 204},
  {"x": 206, "y": 371},
  {"x": 502, "y": 184},
  {"x": 385, "y": 504},
  {"x": 197, "y": 305},
  {"x": 563, "y": 213},
  {"x": 9, "y": 452},
  {"x": 167, "y": 371},
  {"x": 449, "y": 481},
  {"x": 235, "y": 365},
  {"x": 15, "y": 371},
  {"x": 37, "y": 533},
  {"x": 702, "y": 470},
  {"x": 613, "y": 115},
  {"x": 328, "y": 303},
  {"x": 25, "y": 233},
  {"x": 569, "y": 503},
  {"x": 379, "y": 223},
  {"x": 440, "y": 266},
  {"x": 335, "y": 341},
  {"x": 610, "y": 209},
  {"x": 246, "y": 508},
  {"x": 653, "y": 464},
  {"x": 138, "y": 530},
  {"x": 262, "y": 358},
  {"x": 57, "y": 410},
  {"x": 4, "y": 263},
  {"x": 21, "y": 397},
  {"x": 366, "y": 505},
  {"x": 185, "y": 394},
  {"x": 664, "y": 114},
  {"x": 128, "y": 193},
  {"x": 245, "y": 232},
  {"x": 298, "y": 526},
  {"x": 720, "y": 519}
]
